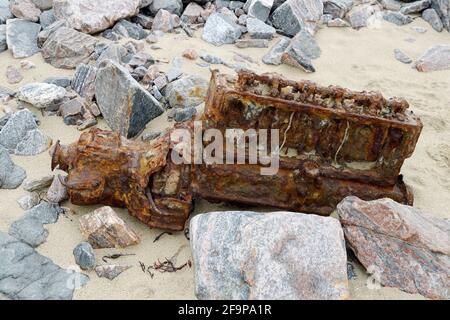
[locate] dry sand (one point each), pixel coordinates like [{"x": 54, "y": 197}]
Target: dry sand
[{"x": 360, "y": 60}]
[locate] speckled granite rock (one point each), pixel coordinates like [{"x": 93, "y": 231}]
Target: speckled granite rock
[
  {"x": 21, "y": 37},
  {"x": 409, "y": 249},
  {"x": 84, "y": 256},
  {"x": 279, "y": 255},
  {"x": 41, "y": 95},
  {"x": 11, "y": 175}
]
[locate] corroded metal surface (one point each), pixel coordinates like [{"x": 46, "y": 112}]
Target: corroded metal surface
[{"x": 335, "y": 143}]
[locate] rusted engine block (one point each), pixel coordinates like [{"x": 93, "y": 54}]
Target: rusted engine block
[{"x": 335, "y": 143}]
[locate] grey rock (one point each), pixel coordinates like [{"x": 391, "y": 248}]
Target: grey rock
[
  {"x": 173, "y": 74},
  {"x": 252, "y": 43},
  {"x": 304, "y": 259},
  {"x": 48, "y": 31},
  {"x": 84, "y": 81},
  {"x": 41, "y": 95},
  {"x": 84, "y": 256},
  {"x": 259, "y": 30},
  {"x": 128, "y": 29},
  {"x": 221, "y": 29},
  {"x": 21, "y": 37},
  {"x": 72, "y": 111},
  {"x": 359, "y": 15},
  {"x": 6, "y": 92},
  {"x": 126, "y": 106},
  {"x": 58, "y": 190},
  {"x": 13, "y": 75},
  {"x": 431, "y": 16},
  {"x": 26, "y": 275},
  {"x": 394, "y": 5},
  {"x": 415, "y": 7},
  {"x": 337, "y": 8},
  {"x": 110, "y": 272},
  {"x": 211, "y": 59},
  {"x": 112, "y": 52},
  {"x": 274, "y": 55},
  {"x": 90, "y": 16},
  {"x": 5, "y": 12},
  {"x": 434, "y": 59},
  {"x": 397, "y": 18},
  {"x": 89, "y": 122},
  {"x": 3, "y": 44},
  {"x": 67, "y": 48},
  {"x": 401, "y": 56},
  {"x": 192, "y": 12},
  {"x": 45, "y": 212},
  {"x": 43, "y": 4},
  {"x": 21, "y": 136},
  {"x": 11, "y": 175},
  {"x": 38, "y": 184},
  {"x": 29, "y": 200},
  {"x": 403, "y": 247},
  {"x": 59, "y": 81},
  {"x": 442, "y": 8},
  {"x": 29, "y": 230},
  {"x": 173, "y": 6},
  {"x": 143, "y": 20},
  {"x": 295, "y": 15},
  {"x": 259, "y": 9},
  {"x": 184, "y": 114},
  {"x": 189, "y": 91},
  {"x": 47, "y": 18},
  {"x": 164, "y": 21},
  {"x": 302, "y": 49}
]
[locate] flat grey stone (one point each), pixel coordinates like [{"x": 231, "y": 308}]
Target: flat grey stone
[
  {"x": 431, "y": 16},
  {"x": 21, "y": 37},
  {"x": 5, "y": 12},
  {"x": 26, "y": 275},
  {"x": 128, "y": 29},
  {"x": 126, "y": 106},
  {"x": 173, "y": 6},
  {"x": 48, "y": 31},
  {"x": 6, "y": 92},
  {"x": 29, "y": 230},
  {"x": 401, "y": 56},
  {"x": 302, "y": 49},
  {"x": 189, "y": 91},
  {"x": 11, "y": 175},
  {"x": 397, "y": 18},
  {"x": 29, "y": 200},
  {"x": 47, "y": 18},
  {"x": 257, "y": 29},
  {"x": 84, "y": 256},
  {"x": 274, "y": 55},
  {"x": 242, "y": 255},
  {"x": 45, "y": 212},
  {"x": 38, "y": 184},
  {"x": 59, "y": 81},
  {"x": 184, "y": 114},
  {"x": 43, "y": 4},
  {"x": 259, "y": 9},
  {"x": 221, "y": 29},
  {"x": 337, "y": 8},
  {"x": 41, "y": 95}
]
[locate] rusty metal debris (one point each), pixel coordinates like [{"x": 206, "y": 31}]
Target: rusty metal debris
[{"x": 335, "y": 143}]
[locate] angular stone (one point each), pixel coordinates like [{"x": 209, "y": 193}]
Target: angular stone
[
  {"x": 173, "y": 6},
  {"x": 84, "y": 81},
  {"x": 126, "y": 106},
  {"x": 112, "y": 52},
  {"x": 29, "y": 230},
  {"x": 57, "y": 191},
  {"x": 192, "y": 12},
  {"x": 6, "y": 92},
  {"x": 184, "y": 114},
  {"x": 393, "y": 5},
  {"x": 21, "y": 136},
  {"x": 71, "y": 111},
  {"x": 431, "y": 16},
  {"x": 189, "y": 91},
  {"x": 21, "y": 37},
  {"x": 300, "y": 15},
  {"x": 220, "y": 29},
  {"x": 110, "y": 272},
  {"x": 5, "y": 12},
  {"x": 25, "y": 9},
  {"x": 128, "y": 29},
  {"x": 41, "y": 95},
  {"x": 45, "y": 212},
  {"x": 59, "y": 81},
  {"x": 104, "y": 229},
  {"x": 252, "y": 43},
  {"x": 84, "y": 256},
  {"x": 442, "y": 8},
  {"x": 397, "y": 18},
  {"x": 401, "y": 56},
  {"x": 92, "y": 16},
  {"x": 67, "y": 48},
  {"x": 48, "y": 31},
  {"x": 26, "y": 275},
  {"x": 233, "y": 259},
  {"x": 403, "y": 247},
  {"x": 11, "y": 175},
  {"x": 301, "y": 50},
  {"x": 259, "y": 30},
  {"x": 434, "y": 59},
  {"x": 359, "y": 15},
  {"x": 337, "y": 8},
  {"x": 13, "y": 75},
  {"x": 38, "y": 184},
  {"x": 43, "y": 4},
  {"x": 29, "y": 200},
  {"x": 3, "y": 44},
  {"x": 274, "y": 55},
  {"x": 47, "y": 18},
  {"x": 259, "y": 9},
  {"x": 415, "y": 7}
]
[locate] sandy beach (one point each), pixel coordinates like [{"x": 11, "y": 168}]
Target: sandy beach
[{"x": 357, "y": 59}]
